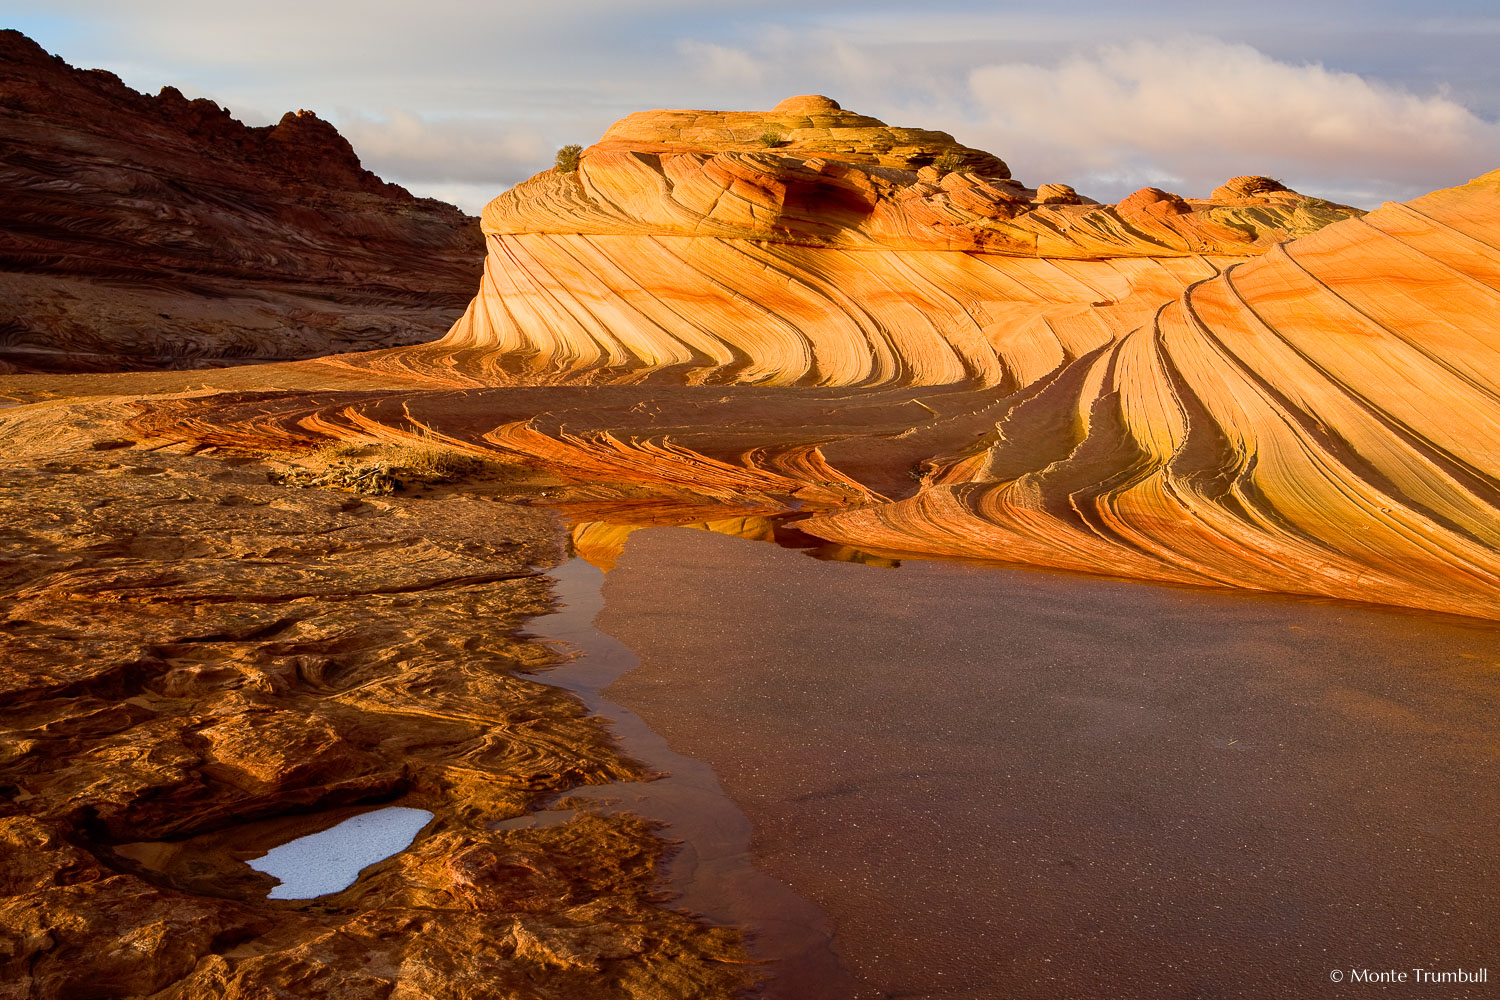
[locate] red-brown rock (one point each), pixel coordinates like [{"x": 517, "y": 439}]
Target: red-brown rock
[{"x": 160, "y": 232}]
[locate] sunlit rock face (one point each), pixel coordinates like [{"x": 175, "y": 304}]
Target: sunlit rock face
[
  {"x": 1324, "y": 419},
  {"x": 1219, "y": 391},
  {"x": 811, "y": 245},
  {"x": 1255, "y": 390},
  {"x": 159, "y": 232}
]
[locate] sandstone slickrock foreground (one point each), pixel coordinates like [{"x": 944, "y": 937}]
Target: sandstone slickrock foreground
[
  {"x": 200, "y": 665},
  {"x": 146, "y": 232}
]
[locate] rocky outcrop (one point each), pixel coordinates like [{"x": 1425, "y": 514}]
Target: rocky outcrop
[
  {"x": 160, "y": 232},
  {"x": 812, "y": 245},
  {"x": 1255, "y": 390},
  {"x": 1214, "y": 391},
  {"x": 200, "y": 666},
  {"x": 1321, "y": 420}
]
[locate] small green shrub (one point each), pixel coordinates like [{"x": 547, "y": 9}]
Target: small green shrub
[
  {"x": 950, "y": 163},
  {"x": 772, "y": 139},
  {"x": 568, "y": 157}
]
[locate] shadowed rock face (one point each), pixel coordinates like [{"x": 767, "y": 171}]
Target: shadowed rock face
[{"x": 160, "y": 232}]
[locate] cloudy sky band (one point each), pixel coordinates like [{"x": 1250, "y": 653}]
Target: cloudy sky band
[{"x": 1355, "y": 101}]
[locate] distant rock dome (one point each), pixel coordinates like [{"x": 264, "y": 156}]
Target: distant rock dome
[{"x": 806, "y": 104}]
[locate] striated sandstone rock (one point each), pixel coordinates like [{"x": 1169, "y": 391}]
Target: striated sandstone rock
[
  {"x": 1310, "y": 415},
  {"x": 1323, "y": 420},
  {"x": 684, "y": 246},
  {"x": 1167, "y": 388},
  {"x": 1058, "y": 194},
  {"x": 161, "y": 232}
]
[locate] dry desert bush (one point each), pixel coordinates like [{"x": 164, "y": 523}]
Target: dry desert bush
[
  {"x": 950, "y": 163},
  {"x": 381, "y": 468},
  {"x": 568, "y": 157}
]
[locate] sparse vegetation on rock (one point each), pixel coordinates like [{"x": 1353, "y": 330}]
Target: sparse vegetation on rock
[
  {"x": 568, "y": 158},
  {"x": 952, "y": 163},
  {"x": 772, "y": 139},
  {"x": 378, "y": 469}
]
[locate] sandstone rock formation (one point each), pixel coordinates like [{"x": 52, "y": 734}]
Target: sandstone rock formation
[
  {"x": 160, "y": 232},
  {"x": 835, "y": 251},
  {"x": 199, "y": 665},
  {"x": 868, "y": 335},
  {"x": 1212, "y": 391},
  {"x": 1323, "y": 419}
]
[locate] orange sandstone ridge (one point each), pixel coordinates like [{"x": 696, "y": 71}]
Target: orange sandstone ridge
[
  {"x": 1256, "y": 390},
  {"x": 848, "y": 253},
  {"x": 1218, "y": 391},
  {"x": 1324, "y": 419}
]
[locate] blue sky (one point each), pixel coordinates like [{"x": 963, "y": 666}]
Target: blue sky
[{"x": 1360, "y": 102}]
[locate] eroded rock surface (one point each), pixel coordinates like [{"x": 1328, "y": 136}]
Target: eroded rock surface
[
  {"x": 1323, "y": 419},
  {"x": 701, "y": 325},
  {"x": 812, "y": 245},
  {"x": 200, "y": 665},
  {"x": 145, "y": 232}
]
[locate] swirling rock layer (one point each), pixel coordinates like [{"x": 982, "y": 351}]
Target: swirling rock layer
[
  {"x": 684, "y": 248},
  {"x": 160, "y": 232},
  {"x": 1257, "y": 389},
  {"x": 1323, "y": 419},
  {"x": 1172, "y": 390}
]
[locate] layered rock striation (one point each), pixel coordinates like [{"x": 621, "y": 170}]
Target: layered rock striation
[
  {"x": 1323, "y": 419},
  {"x": 1257, "y": 389},
  {"x": 160, "y": 232},
  {"x": 810, "y": 245}
]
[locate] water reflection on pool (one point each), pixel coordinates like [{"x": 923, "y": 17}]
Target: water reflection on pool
[{"x": 330, "y": 860}]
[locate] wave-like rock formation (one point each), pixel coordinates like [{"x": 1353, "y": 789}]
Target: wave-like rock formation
[
  {"x": 1256, "y": 389},
  {"x": 1324, "y": 419},
  {"x": 160, "y": 232},
  {"x": 877, "y": 331},
  {"x": 810, "y": 245}
]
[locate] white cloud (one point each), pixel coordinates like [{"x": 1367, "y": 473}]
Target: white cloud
[
  {"x": 405, "y": 146},
  {"x": 720, "y": 63},
  {"x": 1203, "y": 110}
]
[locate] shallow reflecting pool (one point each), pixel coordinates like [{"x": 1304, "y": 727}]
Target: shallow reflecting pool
[
  {"x": 330, "y": 860},
  {"x": 1014, "y": 783}
]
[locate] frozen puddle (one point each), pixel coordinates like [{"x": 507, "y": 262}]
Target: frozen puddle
[{"x": 330, "y": 860}]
